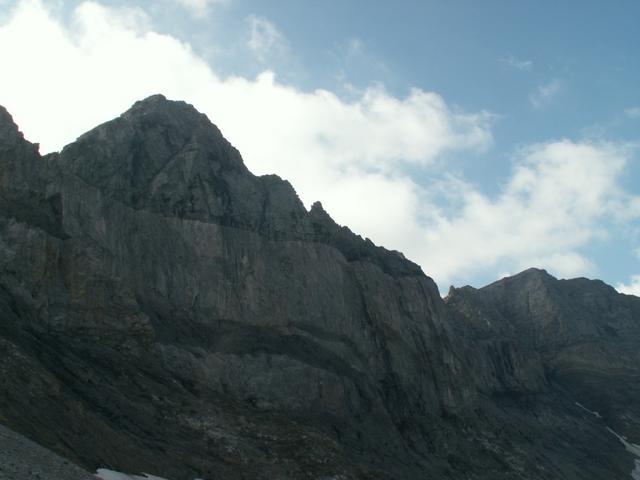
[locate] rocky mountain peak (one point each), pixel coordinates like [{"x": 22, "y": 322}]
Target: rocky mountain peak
[
  {"x": 155, "y": 101},
  {"x": 18, "y": 157},
  {"x": 12, "y": 139},
  {"x": 533, "y": 272},
  {"x": 531, "y": 278},
  {"x": 8, "y": 129},
  {"x": 162, "y": 156},
  {"x": 160, "y": 128},
  {"x": 165, "y": 157},
  {"x": 178, "y": 119}
]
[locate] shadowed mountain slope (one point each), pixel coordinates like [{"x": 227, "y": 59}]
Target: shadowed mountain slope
[{"x": 164, "y": 310}]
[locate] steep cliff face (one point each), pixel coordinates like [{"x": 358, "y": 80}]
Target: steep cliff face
[
  {"x": 576, "y": 339},
  {"x": 164, "y": 310},
  {"x": 583, "y": 333},
  {"x": 169, "y": 299}
]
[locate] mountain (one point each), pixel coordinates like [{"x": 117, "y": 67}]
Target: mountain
[
  {"x": 582, "y": 334},
  {"x": 164, "y": 310}
]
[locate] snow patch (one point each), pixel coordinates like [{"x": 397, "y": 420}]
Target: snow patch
[
  {"x": 632, "y": 448},
  {"x": 595, "y": 414},
  {"x": 105, "y": 474}
]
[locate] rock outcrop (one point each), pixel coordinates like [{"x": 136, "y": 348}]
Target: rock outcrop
[
  {"x": 22, "y": 459},
  {"x": 164, "y": 310},
  {"x": 581, "y": 333}
]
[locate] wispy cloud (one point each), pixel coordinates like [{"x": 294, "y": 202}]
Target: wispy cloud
[
  {"x": 517, "y": 63},
  {"x": 633, "y": 112},
  {"x": 354, "y": 59},
  {"x": 354, "y": 47},
  {"x": 631, "y": 288},
  {"x": 545, "y": 93},
  {"x": 264, "y": 39},
  {"x": 200, "y": 8}
]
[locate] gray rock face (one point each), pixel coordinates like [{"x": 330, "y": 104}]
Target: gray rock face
[
  {"x": 164, "y": 310},
  {"x": 22, "y": 459},
  {"x": 581, "y": 332}
]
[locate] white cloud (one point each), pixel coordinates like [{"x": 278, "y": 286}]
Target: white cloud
[
  {"x": 545, "y": 93},
  {"x": 517, "y": 63},
  {"x": 108, "y": 58},
  {"x": 632, "y": 288},
  {"x": 351, "y": 155},
  {"x": 633, "y": 112},
  {"x": 199, "y": 8},
  {"x": 354, "y": 47},
  {"x": 353, "y": 55},
  {"x": 265, "y": 40},
  {"x": 555, "y": 202}
]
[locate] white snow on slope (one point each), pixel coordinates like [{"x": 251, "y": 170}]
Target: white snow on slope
[
  {"x": 595, "y": 414},
  {"x": 633, "y": 448},
  {"x": 630, "y": 447},
  {"x": 105, "y": 474}
]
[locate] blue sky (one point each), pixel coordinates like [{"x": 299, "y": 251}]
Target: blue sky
[{"x": 479, "y": 138}]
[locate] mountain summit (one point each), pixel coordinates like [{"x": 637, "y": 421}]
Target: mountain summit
[{"x": 165, "y": 310}]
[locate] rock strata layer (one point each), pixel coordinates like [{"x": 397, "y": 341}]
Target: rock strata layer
[{"x": 164, "y": 310}]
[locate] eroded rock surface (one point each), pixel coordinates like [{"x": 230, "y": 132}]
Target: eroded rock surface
[
  {"x": 164, "y": 310},
  {"x": 582, "y": 333},
  {"x": 22, "y": 459}
]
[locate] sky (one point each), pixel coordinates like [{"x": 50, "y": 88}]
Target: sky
[{"x": 478, "y": 138}]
